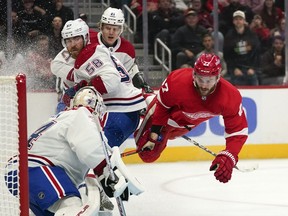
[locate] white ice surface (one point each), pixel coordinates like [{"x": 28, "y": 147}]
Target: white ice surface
[{"x": 189, "y": 189}]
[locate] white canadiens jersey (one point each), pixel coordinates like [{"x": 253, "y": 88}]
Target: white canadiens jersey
[
  {"x": 70, "y": 140},
  {"x": 116, "y": 86},
  {"x": 62, "y": 65},
  {"x": 123, "y": 50}
]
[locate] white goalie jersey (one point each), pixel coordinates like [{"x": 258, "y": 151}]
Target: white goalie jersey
[{"x": 70, "y": 140}]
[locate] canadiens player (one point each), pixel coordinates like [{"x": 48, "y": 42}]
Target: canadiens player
[
  {"x": 95, "y": 64},
  {"x": 188, "y": 97},
  {"x": 61, "y": 152},
  {"x": 111, "y": 27}
]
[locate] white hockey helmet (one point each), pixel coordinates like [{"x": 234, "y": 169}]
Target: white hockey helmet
[
  {"x": 113, "y": 16},
  {"x": 88, "y": 96},
  {"x": 73, "y": 28}
]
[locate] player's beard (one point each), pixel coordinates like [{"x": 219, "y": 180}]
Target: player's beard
[
  {"x": 74, "y": 52},
  {"x": 204, "y": 91}
]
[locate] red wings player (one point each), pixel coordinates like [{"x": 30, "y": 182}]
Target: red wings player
[{"x": 188, "y": 97}]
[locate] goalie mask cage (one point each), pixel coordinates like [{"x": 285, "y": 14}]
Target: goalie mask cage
[{"x": 14, "y": 192}]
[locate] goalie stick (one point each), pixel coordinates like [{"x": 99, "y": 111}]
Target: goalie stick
[{"x": 107, "y": 158}]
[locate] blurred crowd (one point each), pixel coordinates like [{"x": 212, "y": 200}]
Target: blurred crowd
[
  {"x": 251, "y": 36},
  {"x": 35, "y": 41}
]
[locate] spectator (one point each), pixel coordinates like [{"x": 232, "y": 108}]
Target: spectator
[
  {"x": 206, "y": 20},
  {"x": 280, "y": 30},
  {"x": 241, "y": 52},
  {"x": 32, "y": 20},
  {"x": 46, "y": 5},
  {"x": 16, "y": 5},
  {"x": 136, "y": 7},
  {"x": 226, "y": 16},
  {"x": 164, "y": 22},
  {"x": 187, "y": 40},
  {"x": 271, "y": 15},
  {"x": 279, "y": 4},
  {"x": 273, "y": 63},
  {"x": 180, "y": 5},
  {"x": 18, "y": 30},
  {"x": 262, "y": 32},
  {"x": 59, "y": 9},
  {"x": 255, "y": 5},
  {"x": 54, "y": 34},
  {"x": 208, "y": 44},
  {"x": 38, "y": 63},
  {"x": 221, "y": 4}
]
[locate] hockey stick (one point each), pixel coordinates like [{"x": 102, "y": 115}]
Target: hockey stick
[
  {"x": 143, "y": 124},
  {"x": 247, "y": 169},
  {"x": 107, "y": 158},
  {"x": 128, "y": 153}
]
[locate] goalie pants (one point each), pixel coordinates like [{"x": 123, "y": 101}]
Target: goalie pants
[{"x": 48, "y": 184}]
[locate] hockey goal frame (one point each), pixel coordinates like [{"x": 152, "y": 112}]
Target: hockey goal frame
[
  {"x": 23, "y": 187},
  {"x": 23, "y": 150}
]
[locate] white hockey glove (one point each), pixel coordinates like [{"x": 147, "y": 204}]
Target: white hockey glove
[{"x": 124, "y": 183}]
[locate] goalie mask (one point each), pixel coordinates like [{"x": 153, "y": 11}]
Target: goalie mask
[{"x": 89, "y": 97}]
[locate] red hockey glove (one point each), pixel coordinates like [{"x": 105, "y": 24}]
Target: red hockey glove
[
  {"x": 70, "y": 92},
  {"x": 223, "y": 165},
  {"x": 149, "y": 155}
]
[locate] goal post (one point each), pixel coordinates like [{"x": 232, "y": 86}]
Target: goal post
[{"x": 14, "y": 191}]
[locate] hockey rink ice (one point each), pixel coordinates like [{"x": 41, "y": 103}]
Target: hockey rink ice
[{"x": 190, "y": 189}]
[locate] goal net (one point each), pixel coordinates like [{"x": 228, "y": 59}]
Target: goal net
[{"x": 14, "y": 191}]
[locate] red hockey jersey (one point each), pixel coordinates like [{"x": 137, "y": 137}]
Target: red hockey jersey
[{"x": 179, "y": 104}]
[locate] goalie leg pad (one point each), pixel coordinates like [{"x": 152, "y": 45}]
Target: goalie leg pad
[
  {"x": 89, "y": 208},
  {"x": 134, "y": 185},
  {"x": 124, "y": 183}
]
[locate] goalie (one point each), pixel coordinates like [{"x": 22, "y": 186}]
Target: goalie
[
  {"x": 188, "y": 97},
  {"x": 61, "y": 152}
]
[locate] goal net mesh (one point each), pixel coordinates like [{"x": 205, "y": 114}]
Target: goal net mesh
[{"x": 10, "y": 203}]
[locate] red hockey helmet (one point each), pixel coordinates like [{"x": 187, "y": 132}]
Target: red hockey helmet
[{"x": 208, "y": 65}]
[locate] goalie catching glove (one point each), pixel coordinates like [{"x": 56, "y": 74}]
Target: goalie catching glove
[
  {"x": 124, "y": 183},
  {"x": 223, "y": 165}
]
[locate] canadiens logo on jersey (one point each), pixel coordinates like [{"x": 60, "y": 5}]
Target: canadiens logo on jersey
[{"x": 199, "y": 115}]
